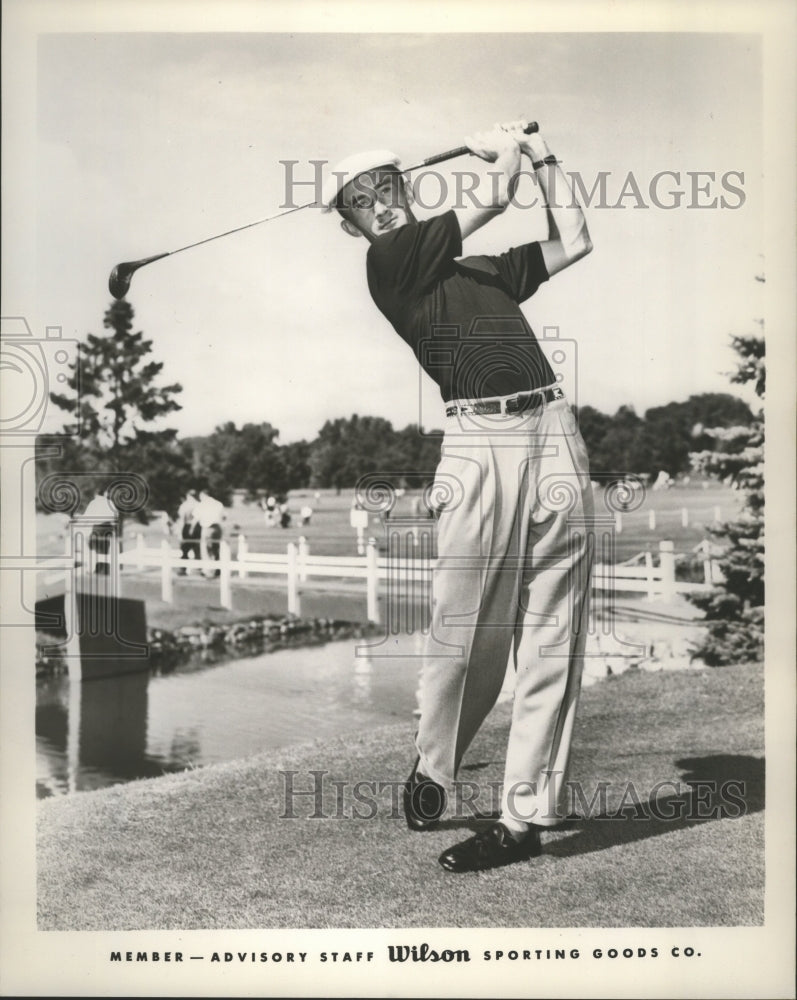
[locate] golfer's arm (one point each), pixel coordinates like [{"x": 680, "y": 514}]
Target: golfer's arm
[
  {"x": 492, "y": 195},
  {"x": 568, "y": 236}
]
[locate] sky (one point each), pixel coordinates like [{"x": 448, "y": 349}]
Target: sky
[{"x": 149, "y": 141}]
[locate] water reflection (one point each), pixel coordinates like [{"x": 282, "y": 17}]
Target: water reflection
[
  {"x": 92, "y": 734},
  {"x": 110, "y": 730}
]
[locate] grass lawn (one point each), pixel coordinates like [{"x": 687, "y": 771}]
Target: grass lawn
[{"x": 208, "y": 849}]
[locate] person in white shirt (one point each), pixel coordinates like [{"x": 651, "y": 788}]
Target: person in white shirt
[
  {"x": 209, "y": 514},
  {"x": 190, "y": 529}
]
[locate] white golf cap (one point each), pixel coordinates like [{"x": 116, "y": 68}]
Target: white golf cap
[{"x": 343, "y": 173}]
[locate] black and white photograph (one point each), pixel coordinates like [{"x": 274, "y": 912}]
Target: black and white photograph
[{"x": 397, "y": 452}]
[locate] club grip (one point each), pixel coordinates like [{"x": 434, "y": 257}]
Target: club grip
[{"x": 462, "y": 150}]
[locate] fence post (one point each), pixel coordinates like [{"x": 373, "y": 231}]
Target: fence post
[
  {"x": 618, "y": 523},
  {"x": 304, "y": 552},
  {"x": 72, "y": 647},
  {"x": 243, "y": 552},
  {"x": 139, "y": 551},
  {"x": 360, "y": 540},
  {"x": 166, "y": 572},
  {"x": 649, "y": 579},
  {"x": 372, "y": 566},
  {"x": 667, "y": 567},
  {"x": 294, "y": 604},
  {"x": 652, "y": 520},
  {"x": 717, "y": 515},
  {"x": 225, "y": 571},
  {"x": 684, "y": 517}
]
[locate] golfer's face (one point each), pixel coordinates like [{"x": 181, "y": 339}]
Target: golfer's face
[{"x": 376, "y": 202}]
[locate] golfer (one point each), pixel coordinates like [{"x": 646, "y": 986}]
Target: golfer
[{"x": 512, "y": 574}]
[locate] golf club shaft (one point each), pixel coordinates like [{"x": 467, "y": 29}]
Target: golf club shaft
[
  {"x": 121, "y": 275},
  {"x": 238, "y": 229}
]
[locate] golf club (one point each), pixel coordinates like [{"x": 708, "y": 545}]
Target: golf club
[
  {"x": 121, "y": 275},
  {"x": 119, "y": 281}
]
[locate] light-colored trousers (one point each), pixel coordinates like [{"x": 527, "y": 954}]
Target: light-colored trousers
[{"x": 515, "y": 544}]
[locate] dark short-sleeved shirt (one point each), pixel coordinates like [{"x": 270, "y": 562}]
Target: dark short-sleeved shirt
[{"x": 461, "y": 317}]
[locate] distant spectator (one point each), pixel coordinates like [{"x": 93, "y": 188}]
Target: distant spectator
[
  {"x": 664, "y": 481},
  {"x": 190, "y": 529},
  {"x": 285, "y": 516},
  {"x": 210, "y": 514},
  {"x": 270, "y": 511},
  {"x": 306, "y": 513},
  {"x": 105, "y": 515}
]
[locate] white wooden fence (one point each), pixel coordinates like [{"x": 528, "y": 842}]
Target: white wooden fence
[{"x": 641, "y": 574}]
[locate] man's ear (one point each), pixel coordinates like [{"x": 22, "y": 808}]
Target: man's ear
[{"x": 349, "y": 227}]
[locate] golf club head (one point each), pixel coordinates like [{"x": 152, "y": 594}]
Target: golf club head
[{"x": 119, "y": 281}]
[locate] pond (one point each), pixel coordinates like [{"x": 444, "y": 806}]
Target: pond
[{"x": 102, "y": 732}]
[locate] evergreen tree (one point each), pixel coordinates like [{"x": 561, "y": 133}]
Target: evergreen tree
[
  {"x": 114, "y": 399},
  {"x": 735, "y": 609}
]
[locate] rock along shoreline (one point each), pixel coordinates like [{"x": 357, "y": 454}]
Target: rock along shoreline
[{"x": 204, "y": 641}]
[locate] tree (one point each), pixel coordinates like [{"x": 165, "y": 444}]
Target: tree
[
  {"x": 296, "y": 458},
  {"x": 114, "y": 389},
  {"x": 662, "y": 439},
  {"x": 734, "y": 611},
  {"x": 167, "y": 465},
  {"x": 347, "y": 449},
  {"x": 114, "y": 399},
  {"x": 594, "y": 426},
  {"x": 616, "y": 450},
  {"x": 416, "y": 454},
  {"x": 673, "y": 431},
  {"x": 248, "y": 458}
]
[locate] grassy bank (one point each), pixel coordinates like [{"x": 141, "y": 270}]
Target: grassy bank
[{"x": 208, "y": 849}]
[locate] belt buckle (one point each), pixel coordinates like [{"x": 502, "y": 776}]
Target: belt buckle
[{"x": 523, "y": 401}]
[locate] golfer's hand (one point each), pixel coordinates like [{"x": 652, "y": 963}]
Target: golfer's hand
[
  {"x": 497, "y": 143},
  {"x": 534, "y": 146}
]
